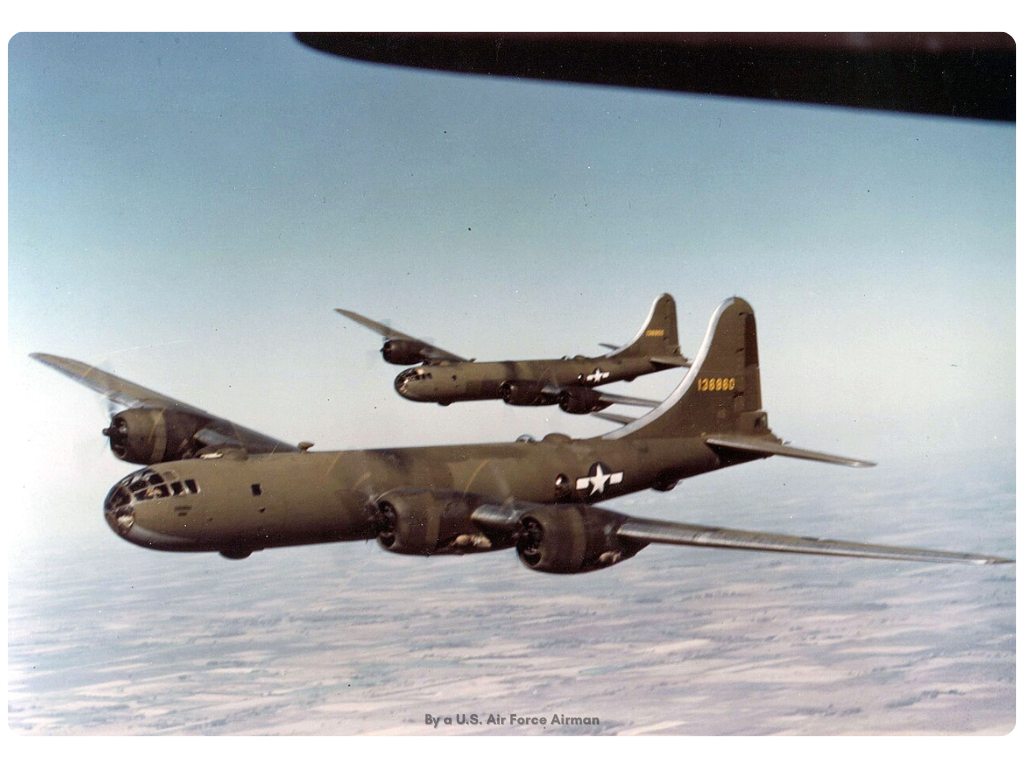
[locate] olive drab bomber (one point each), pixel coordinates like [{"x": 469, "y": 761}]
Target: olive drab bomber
[{"x": 442, "y": 377}]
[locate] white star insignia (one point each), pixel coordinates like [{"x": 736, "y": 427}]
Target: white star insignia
[
  {"x": 598, "y": 376},
  {"x": 598, "y": 479}
]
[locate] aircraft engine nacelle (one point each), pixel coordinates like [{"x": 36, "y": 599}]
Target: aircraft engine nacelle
[
  {"x": 525, "y": 393},
  {"x": 152, "y": 435},
  {"x": 431, "y": 523},
  {"x": 402, "y": 352},
  {"x": 580, "y": 400},
  {"x": 572, "y": 538}
]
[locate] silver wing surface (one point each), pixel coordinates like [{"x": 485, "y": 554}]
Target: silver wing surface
[
  {"x": 640, "y": 402},
  {"x": 604, "y": 397},
  {"x": 661, "y": 532},
  {"x": 216, "y": 431},
  {"x": 430, "y": 352},
  {"x": 505, "y": 518}
]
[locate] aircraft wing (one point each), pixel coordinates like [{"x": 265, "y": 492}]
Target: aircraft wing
[
  {"x": 641, "y": 402},
  {"x": 506, "y": 518},
  {"x": 216, "y": 431},
  {"x": 113, "y": 388},
  {"x": 661, "y": 532},
  {"x": 954, "y": 74},
  {"x": 430, "y": 352},
  {"x": 593, "y": 396}
]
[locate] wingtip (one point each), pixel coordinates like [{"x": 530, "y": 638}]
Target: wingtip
[
  {"x": 995, "y": 561},
  {"x": 56, "y": 361}
]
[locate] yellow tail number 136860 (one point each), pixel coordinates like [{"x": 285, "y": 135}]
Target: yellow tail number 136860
[{"x": 716, "y": 385}]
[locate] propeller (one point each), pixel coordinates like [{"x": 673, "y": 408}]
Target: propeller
[
  {"x": 385, "y": 521},
  {"x": 373, "y": 356},
  {"x": 109, "y": 408},
  {"x": 528, "y": 540}
]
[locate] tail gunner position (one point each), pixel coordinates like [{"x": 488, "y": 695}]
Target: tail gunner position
[{"x": 214, "y": 486}]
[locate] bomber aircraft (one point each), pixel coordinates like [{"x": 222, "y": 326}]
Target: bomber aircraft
[
  {"x": 443, "y": 377},
  {"x": 210, "y": 485}
]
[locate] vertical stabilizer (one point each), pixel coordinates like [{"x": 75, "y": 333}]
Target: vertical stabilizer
[
  {"x": 721, "y": 394},
  {"x": 659, "y": 336}
]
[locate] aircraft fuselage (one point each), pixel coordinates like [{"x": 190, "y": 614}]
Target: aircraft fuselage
[
  {"x": 244, "y": 503},
  {"x": 448, "y": 382}
]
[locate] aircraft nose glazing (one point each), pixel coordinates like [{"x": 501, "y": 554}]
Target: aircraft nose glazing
[
  {"x": 407, "y": 383},
  {"x": 130, "y": 513},
  {"x": 118, "y": 508}
]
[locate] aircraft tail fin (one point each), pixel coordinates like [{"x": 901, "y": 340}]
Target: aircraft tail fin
[
  {"x": 659, "y": 336},
  {"x": 721, "y": 394},
  {"x": 720, "y": 398}
]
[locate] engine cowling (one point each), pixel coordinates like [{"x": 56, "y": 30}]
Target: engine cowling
[
  {"x": 402, "y": 352},
  {"x": 525, "y": 393},
  {"x": 580, "y": 400},
  {"x": 572, "y": 538},
  {"x": 425, "y": 522},
  {"x": 152, "y": 435}
]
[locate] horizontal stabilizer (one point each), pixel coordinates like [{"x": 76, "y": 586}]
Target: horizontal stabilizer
[
  {"x": 659, "y": 532},
  {"x": 768, "y": 448},
  {"x": 618, "y": 418},
  {"x": 671, "y": 361}
]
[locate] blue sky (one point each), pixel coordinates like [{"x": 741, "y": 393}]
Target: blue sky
[{"x": 188, "y": 209}]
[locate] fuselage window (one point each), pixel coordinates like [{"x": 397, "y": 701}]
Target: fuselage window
[
  {"x": 152, "y": 492},
  {"x": 256, "y": 490},
  {"x": 177, "y": 488},
  {"x": 192, "y": 487}
]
